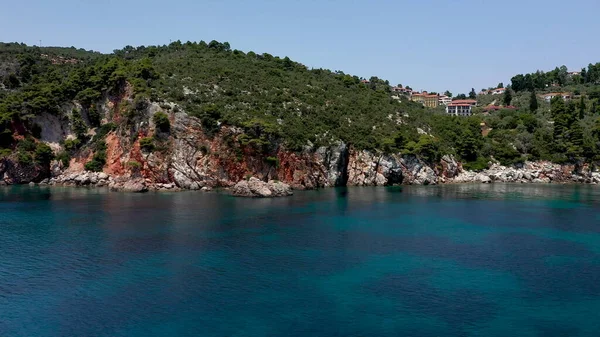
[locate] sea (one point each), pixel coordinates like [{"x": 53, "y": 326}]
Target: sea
[{"x": 455, "y": 260}]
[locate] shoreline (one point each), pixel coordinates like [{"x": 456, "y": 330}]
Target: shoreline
[
  {"x": 220, "y": 189},
  {"x": 406, "y": 173}
]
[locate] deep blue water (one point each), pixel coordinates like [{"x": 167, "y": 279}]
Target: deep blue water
[{"x": 468, "y": 260}]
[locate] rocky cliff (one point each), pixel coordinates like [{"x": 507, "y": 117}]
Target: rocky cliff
[{"x": 185, "y": 157}]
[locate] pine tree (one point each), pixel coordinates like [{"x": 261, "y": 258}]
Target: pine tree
[
  {"x": 507, "y": 97},
  {"x": 581, "y": 108},
  {"x": 557, "y": 106},
  {"x": 472, "y": 94},
  {"x": 533, "y": 102}
]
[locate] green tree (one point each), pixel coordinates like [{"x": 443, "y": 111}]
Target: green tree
[
  {"x": 78, "y": 125},
  {"x": 472, "y": 94},
  {"x": 448, "y": 93},
  {"x": 43, "y": 154},
  {"x": 500, "y": 85},
  {"x": 161, "y": 120},
  {"x": 507, "y": 99},
  {"x": 581, "y": 107},
  {"x": 533, "y": 102},
  {"x": 12, "y": 81},
  {"x": 557, "y": 106}
]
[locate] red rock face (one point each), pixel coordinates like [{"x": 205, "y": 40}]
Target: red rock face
[
  {"x": 114, "y": 154},
  {"x": 300, "y": 170}
]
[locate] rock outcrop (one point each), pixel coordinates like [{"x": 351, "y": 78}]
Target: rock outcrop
[
  {"x": 531, "y": 172},
  {"x": 13, "y": 172},
  {"x": 130, "y": 185},
  {"x": 85, "y": 178},
  {"x": 254, "y": 187}
]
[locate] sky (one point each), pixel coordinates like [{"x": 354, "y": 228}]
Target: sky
[{"x": 433, "y": 45}]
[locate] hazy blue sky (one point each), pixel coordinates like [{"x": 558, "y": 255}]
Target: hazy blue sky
[{"x": 434, "y": 45}]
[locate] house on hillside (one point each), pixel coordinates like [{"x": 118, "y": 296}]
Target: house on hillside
[
  {"x": 498, "y": 91},
  {"x": 549, "y": 96},
  {"x": 430, "y": 101},
  {"x": 444, "y": 100},
  {"x": 492, "y": 108},
  {"x": 461, "y": 107},
  {"x": 403, "y": 91}
]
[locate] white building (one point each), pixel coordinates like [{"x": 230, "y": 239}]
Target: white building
[
  {"x": 445, "y": 100},
  {"x": 461, "y": 107},
  {"x": 548, "y": 97}
]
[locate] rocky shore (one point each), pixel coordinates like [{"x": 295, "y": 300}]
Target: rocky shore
[
  {"x": 188, "y": 159},
  {"x": 530, "y": 172},
  {"x": 364, "y": 170}
]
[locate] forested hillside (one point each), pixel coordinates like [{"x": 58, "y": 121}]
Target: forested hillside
[{"x": 275, "y": 101}]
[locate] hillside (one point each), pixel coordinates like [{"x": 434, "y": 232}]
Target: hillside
[{"x": 129, "y": 112}]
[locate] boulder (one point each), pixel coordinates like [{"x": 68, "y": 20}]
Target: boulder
[
  {"x": 279, "y": 189},
  {"x": 482, "y": 178},
  {"x": 426, "y": 176},
  {"x": 132, "y": 186},
  {"x": 257, "y": 188},
  {"x": 82, "y": 179},
  {"x": 135, "y": 186},
  {"x": 449, "y": 166},
  {"x": 241, "y": 189}
]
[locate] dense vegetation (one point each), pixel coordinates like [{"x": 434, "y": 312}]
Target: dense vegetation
[
  {"x": 559, "y": 77},
  {"x": 277, "y": 102}
]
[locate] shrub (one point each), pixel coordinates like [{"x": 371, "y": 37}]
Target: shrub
[
  {"x": 78, "y": 125},
  {"x": 147, "y": 144},
  {"x": 140, "y": 102},
  {"x": 134, "y": 165},
  {"x": 24, "y": 158},
  {"x": 204, "y": 149},
  {"x": 105, "y": 129},
  {"x": 5, "y": 153},
  {"x": 94, "y": 116},
  {"x": 64, "y": 158},
  {"x": 72, "y": 144},
  {"x": 94, "y": 165},
  {"x": 273, "y": 161},
  {"x": 99, "y": 158},
  {"x": 161, "y": 120},
  {"x": 43, "y": 154},
  {"x": 478, "y": 165},
  {"x": 26, "y": 145}
]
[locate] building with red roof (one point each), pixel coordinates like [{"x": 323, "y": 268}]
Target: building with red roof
[{"x": 461, "y": 107}]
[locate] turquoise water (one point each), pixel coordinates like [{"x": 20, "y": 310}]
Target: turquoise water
[{"x": 468, "y": 260}]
